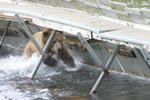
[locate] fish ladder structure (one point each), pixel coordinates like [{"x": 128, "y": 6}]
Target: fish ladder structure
[{"x": 125, "y": 40}]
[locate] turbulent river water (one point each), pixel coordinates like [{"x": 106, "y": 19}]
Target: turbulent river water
[{"x": 62, "y": 82}]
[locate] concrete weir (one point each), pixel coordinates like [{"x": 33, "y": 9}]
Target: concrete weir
[{"x": 99, "y": 33}]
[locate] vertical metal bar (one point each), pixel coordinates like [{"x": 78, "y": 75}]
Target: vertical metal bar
[
  {"x": 89, "y": 48},
  {"x": 120, "y": 65},
  {"x": 111, "y": 59},
  {"x": 146, "y": 55},
  {"x": 107, "y": 66},
  {"x": 29, "y": 34},
  {"x": 48, "y": 43},
  {"x": 4, "y": 34}
]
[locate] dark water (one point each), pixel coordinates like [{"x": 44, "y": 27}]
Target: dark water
[{"x": 62, "y": 82}]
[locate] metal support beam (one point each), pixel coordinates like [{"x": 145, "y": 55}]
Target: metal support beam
[
  {"x": 89, "y": 48},
  {"x": 4, "y": 34},
  {"x": 29, "y": 34},
  {"x": 107, "y": 66},
  {"x": 48, "y": 18},
  {"x": 99, "y": 62},
  {"x": 146, "y": 56},
  {"x": 42, "y": 51},
  {"x": 48, "y": 44}
]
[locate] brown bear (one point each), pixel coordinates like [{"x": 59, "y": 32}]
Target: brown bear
[
  {"x": 57, "y": 47},
  {"x": 62, "y": 52},
  {"x": 41, "y": 38}
]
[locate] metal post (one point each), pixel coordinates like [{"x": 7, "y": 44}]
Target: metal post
[
  {"x": 4, "y": 34},
  {"x": 102, "y": 75},
  {"x": 145, "y": 55},
  {"x": 29, "y": 34},
  {"x": 89, "y": 48},
  {"x": 44, "y": 50}
]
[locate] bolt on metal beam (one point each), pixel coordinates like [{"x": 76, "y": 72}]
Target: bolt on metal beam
[{"x": 107, "y": 66}]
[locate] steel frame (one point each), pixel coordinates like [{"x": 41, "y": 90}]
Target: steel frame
[
  {"x": 48, "y": 44},
  {"x": 52, "y": 19},
  {"x": 4, "y": 34},
  {"x": 89, "y": 48},
  {"x": 42, "y": 51},
  {"x": 107, "y": 66},
  {"x": 99, "y": 62}
]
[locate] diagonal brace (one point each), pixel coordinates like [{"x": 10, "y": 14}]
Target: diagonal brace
[
  {"x": 107, "y": 66},
  {"x": 99, "y": 62},
  {"x": 29, "y": 34},
  {"x": 42, "y": 51},
  {"x": 4, "y": 34},
  {"x": 48, "y": 44},
  {"x": 89, "y": 48}
]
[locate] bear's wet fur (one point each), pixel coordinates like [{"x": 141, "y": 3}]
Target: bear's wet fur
[
  {"x": 63, "y": 54},
  {"x": 42, "y": 37}
]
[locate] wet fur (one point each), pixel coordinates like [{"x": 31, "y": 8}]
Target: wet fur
[
  {"x": 64, "y": 54},
  {"x": 42, "y": 37}
]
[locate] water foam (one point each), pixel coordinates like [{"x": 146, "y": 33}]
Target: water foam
[
  {"x": 13, "y": 67},
  {"x": 62, "y": 65}
]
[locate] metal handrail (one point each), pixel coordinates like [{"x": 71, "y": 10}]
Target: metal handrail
[{"x": 48, "y": 18}]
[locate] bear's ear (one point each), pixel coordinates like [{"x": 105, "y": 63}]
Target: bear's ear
[{"x": 46, "y": 32}]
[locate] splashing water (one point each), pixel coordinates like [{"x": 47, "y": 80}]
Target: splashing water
[
  {"x": 20, "y": 66},
  {"x": 62, "y": 81},
  {"x": 17, "y": 65},
  {"x": 13, "y": 67}
]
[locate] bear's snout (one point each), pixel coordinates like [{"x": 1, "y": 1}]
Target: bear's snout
[{"x": 60, "y": 50}]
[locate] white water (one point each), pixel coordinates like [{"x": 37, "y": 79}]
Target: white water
[
  {"x": 60, "y": 81},
  {"x": 13, "y": 67}
]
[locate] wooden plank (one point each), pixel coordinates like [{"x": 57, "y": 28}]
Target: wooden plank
[{"x": 5, "y": 17}]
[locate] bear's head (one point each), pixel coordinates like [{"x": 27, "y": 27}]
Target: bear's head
[
  {"x": 46, "y": 34},
  {"x": 57, "y": 47},
  {"x": 56, "y": 42}
]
